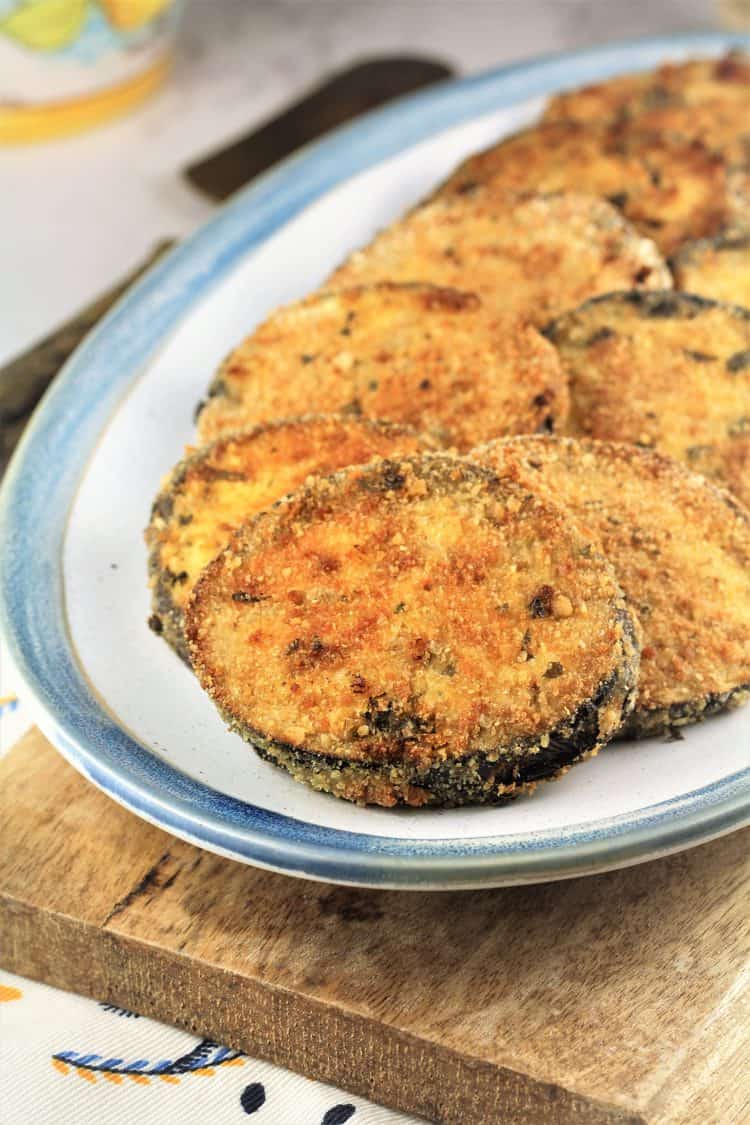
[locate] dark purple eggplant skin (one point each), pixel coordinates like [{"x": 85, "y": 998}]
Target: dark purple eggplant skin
[
  {"x": 663, "y": 720},
  {"x": 652, "y": 304}
]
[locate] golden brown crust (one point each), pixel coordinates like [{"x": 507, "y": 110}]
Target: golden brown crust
[
  {"x": 666, "y": 370},
  {"x": 526, "y": 255},
  {"x": 708, "y": 99},
  {"x": 216, "y": 488},
  {"x": 720, "y": 126},
  {"x": 681, "y": 551},
  {"x": 415, "y": 631},
  {"x": 716, "y": 267},
  {"x": 670, "y": 189},
  {"x": 438, "y": 359}
]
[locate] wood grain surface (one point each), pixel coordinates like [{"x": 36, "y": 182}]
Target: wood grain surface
[{"x": 617, "y": 998}]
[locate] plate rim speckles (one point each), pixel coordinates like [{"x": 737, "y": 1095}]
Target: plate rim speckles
[{"x": 47, "y": 468}]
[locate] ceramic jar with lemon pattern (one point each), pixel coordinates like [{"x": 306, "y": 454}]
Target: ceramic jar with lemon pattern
[{"x": 66, "y": 65}]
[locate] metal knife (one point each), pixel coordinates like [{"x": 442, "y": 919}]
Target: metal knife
[{"x": 344, "y": 96}]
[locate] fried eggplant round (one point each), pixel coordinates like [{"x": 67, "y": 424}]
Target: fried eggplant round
[
  {"x": 527, "y": 255},
  {"x": 716, "y": 267},
  {"x": 681, "y": 551},
  {"x": 664, "y": 370},
  {"x": 220, "y": 486},
  {"x": 438, "y": 359},
  {"x": 670, "y": 189},
  {"x": 417, "y": 632},
  {"x": 708, "y": 99}
]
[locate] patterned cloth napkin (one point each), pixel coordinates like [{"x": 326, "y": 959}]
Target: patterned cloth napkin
[{"x": 65, "y": 1060}]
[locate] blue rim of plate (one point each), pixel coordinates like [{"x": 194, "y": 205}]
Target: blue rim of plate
[{"x": 46, "y": 469}]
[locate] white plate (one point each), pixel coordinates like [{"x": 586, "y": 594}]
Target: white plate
[{"x": 114, "y": 698}]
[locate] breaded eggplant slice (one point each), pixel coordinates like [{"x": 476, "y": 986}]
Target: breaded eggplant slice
[
  {"x": 437, "y": 359},
  {"x": 664, "y": 370},
  {"x": 670, "y": 189},
  {"x": 528, "y": 255},
  {"x": 416, "y": 632},
  {"x": 716, "y": 267},
  {"x": 681, "y": 551},
  {"x": 219, "y": 487},
  {"x": 708, "y": 99}
]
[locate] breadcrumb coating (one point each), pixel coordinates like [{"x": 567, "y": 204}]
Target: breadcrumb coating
[
  {"x": 216, "y": 488},
  {"x": 708, "y": 99},
  {"x": 671, "y": 189},
  {"x": 440, "y": 360},
  {"x": 664, "y": 370},
  {"x": 681, "y": 550},
  {"x": 528, "y": 255},
  {"x": 415, "y": 631}
]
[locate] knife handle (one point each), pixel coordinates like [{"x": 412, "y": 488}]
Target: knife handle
[{"x": 341, "y": 98}]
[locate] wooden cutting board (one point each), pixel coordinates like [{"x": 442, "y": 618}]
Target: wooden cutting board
[{"x": 617, "y": 998}]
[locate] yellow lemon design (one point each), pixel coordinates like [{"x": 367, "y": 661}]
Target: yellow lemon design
[
  {"x": 8, "y": 992},
  {"x": 45, "y": 25},
  {"x": 129, "y": 14}
]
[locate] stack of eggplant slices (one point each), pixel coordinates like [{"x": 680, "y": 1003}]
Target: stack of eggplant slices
[{"x": 479, "y": 505}]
